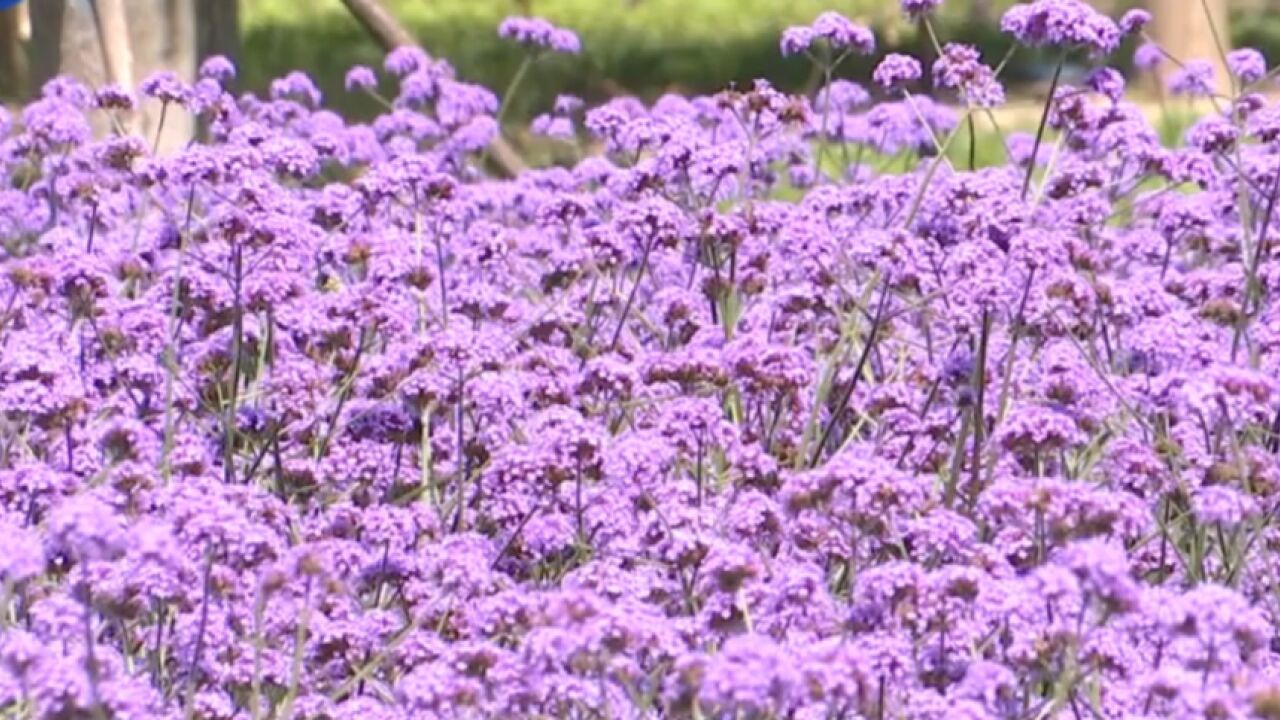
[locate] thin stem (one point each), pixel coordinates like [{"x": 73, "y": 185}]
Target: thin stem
[
  {"x": 516, "y": 81},
  {"x": 91, "y": 662},
  {"x": 193, "y": 666},
  {"x": 463, "y": 469},
  {"x": 255, "y": 693},
  {"x": 444, "y": 293},
  {"x": 1253, "y": 290},
  {"x": 853, "y": 382},
  {"x": 823, "y": 138},
  {"x": 1044, "y": 122},
  {"x": 918, "y": 201},
  {"x": 933, "y": 35},
  {"x": 171, "y": 342},
  {"x": 299, "y": 652},
  {"x": 1015, "y": 334},
  {"x": 973, "y": 145},
  {"x": 505, "y": 104},
  {"x": 237, "y": 342},
  {"x": 631, "y": 297},
  {"x": 425, "y": 466},
  {"x": 1217, "y": 40},
  {"x": 93, "y": 225},
  {"x": 979, "y": 389},
  {"x": 164, "y": 114}
]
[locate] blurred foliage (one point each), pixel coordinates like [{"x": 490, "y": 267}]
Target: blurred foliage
[{"x": 641, "y": 47}]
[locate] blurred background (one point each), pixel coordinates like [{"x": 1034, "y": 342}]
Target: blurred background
[{"x": 638, "y": 47}]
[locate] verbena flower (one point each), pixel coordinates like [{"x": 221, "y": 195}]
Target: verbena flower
[
  {"x": 1148, "y": 56},
  {"x": 360, "y": 78},
  {"x": 218, "y": 68},
  {"x": 839, "y": 33},
  {"x": 918, "y": 8},
  {"x": 1107, "y": 82},
  {"x": 1134, "y": 21},
  {"x": 1194, "y": 78},
  {"x": 1247, "y": 64},
  {"x": 750, "y": 404},
  {"x": 1062, "y": 24},
  {"x": 896, "y": 70},
  {"x": 539, "y": 34}
]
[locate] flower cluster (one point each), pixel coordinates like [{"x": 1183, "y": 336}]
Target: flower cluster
[
  {"x": 1065, "y": 24},
  {"x": 840, "y": 34},
  {"x": 538, "y": 34},
  {"x": 758, "y": 406}
]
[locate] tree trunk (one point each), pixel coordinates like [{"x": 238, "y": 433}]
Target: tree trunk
[
  {"x": 218, "y": 25},
  {"x": 379, "y": 23},
  {"x": 390, "y": 34},
  {"x": 160, "y": 35},
  {"x": 1185, "y": 32},
  {"x": 13, "y": 58}
]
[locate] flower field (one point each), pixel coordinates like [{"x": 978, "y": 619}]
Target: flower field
[{"x": 772, "y": 409}]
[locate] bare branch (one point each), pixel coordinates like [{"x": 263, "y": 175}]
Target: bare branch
[{"x": 390, "y": 34}]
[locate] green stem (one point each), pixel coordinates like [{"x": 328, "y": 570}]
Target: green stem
[
  {"x": 170, "y": 349},
  {"x": 853, "y": 382},
  {"x": 512, "y": 87},
  {"x": 631, "y": 297},
  {"x": 1217, "y": 41},
  {"x": 1044, "y": 122},
  {"x": 237, "y": 342},
  {"x": 299, "y": 653},
  {"x": 918, "y": 200},
  {"x": 973, "y": 145},
  {"x": 255, "y": 693},
  {"x": 164, "y": 114},
  {"x": 979, "y": 414}
]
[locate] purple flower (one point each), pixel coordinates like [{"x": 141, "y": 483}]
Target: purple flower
[
  {"x": 750, "y": 675},
  {"x": 297, "y": 86},
  {"x": 1247, "y": 64},
  {"x": 961, "y": 67},
  {"x": 920, "y": 8},
  {"x": 360, "y": 79},
  {"x": 1134, "y": 21},
  {"x": 1107, "y": 82},
  {"x": 113, "y": 97},
  {"x": 1148, "y": 56},
  {"x": 1034, "y": 429},
  {"x": 712, "y": 421},
  {"x": 84, "y": 528},
  {"x": 797, "y": 40},
  {"x": 567, "y": 104},
  {"x": 1103, "y": 571},
  {"x": 406, "y": 59},
  {"x": 1061, "y": 23},
  {"x": 25, "y": 557},
  {"x": 843, "y": 34},
  {"x": 165, "y": 87},
  {"x": 560, "y": 128},
  {"x": 896, "y": 70},
  {"x": 218, "y": 68},
  {"x": 1225, "y": 506},
  {"x": 842, "y": 96},
  {"x": 539, "y": 34},
  {"x": 1194, "y": 78},
  {"x": 1213, "y": 134}
]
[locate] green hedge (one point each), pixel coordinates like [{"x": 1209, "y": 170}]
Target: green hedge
[{"x": 643, "y": 47}]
